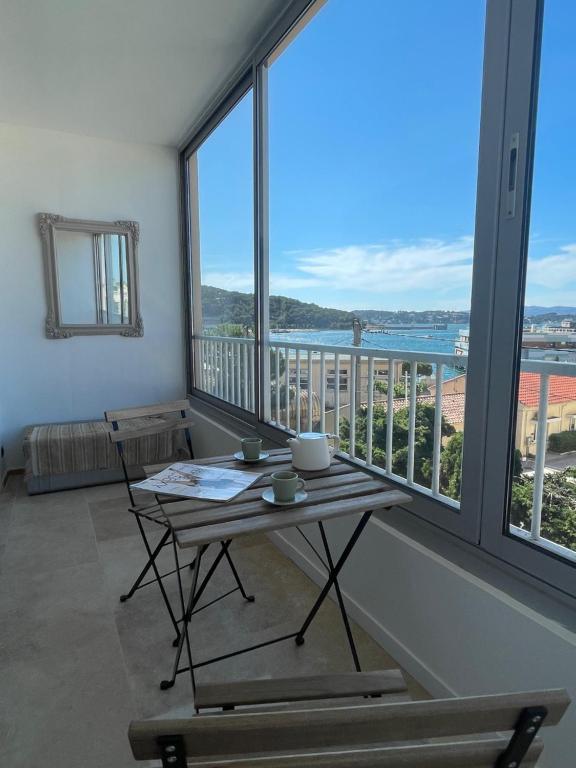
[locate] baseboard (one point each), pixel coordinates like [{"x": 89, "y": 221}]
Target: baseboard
[
  {"x": 414, "y": 665},
  {"x": 7, "y": 473}
]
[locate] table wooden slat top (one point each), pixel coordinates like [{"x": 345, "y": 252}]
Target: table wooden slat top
[{"x": 340, "y": 490}]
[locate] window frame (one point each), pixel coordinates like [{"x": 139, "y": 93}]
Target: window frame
[
  {"x": 512, "y": 40},
  {"x": 191, "y": 250},
  {"x": 526, "y": 27}
]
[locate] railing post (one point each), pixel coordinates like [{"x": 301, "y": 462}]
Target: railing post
[
  {"x": 232, "y": 371},
  {"x": 225, "y": 351},
  {"x": 287, "y": 384},
  {"x": 540, "y": 462},
  {"x": 298, "y": 390},
  {"x": 238, "y": 361},
  {"x": 337, "y": 394},
  {"x": 370, "y": 410},
  {"x": 309, "y": 399},
  {"x": 352, "y": 421},
  {"x": 251, "y": 389},
  {"x": 437, "y": 430},
  {"x": 412, "y": 422},
  {"x": 221, "y": 369},
  {"x": 276, "y": 351},
  {"x": 246, "y": 378},
  {"x": 322, "y": 391},
  {"x": 390, "y": 415}
]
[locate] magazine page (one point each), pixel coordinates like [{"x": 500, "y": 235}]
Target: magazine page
[{"x": 194, "y": 481}]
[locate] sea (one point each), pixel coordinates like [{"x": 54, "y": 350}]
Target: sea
[
  {"x": 410, "y": 340},
  {"x": 424, "y": 340}
]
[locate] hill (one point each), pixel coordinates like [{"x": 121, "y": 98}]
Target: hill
[
  {"x": 220, "y": 306},
  {"x": 537, "y": 311},
  {"x": 406, "y": 317}
]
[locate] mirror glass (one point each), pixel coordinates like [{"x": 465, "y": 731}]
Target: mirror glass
[{"x": 92, "y": 278}]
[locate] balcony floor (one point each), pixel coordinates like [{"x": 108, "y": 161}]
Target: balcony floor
[{"x": 77, "y": 666}]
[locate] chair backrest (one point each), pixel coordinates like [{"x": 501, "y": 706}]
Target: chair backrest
[
  {"x": 357, "y": 736},
  {"x": 175, "y": 416}
]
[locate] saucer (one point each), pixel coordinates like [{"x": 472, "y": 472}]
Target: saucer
[
  {"x": 239, "y": 456},
  {"x": 268, "y": 495}
]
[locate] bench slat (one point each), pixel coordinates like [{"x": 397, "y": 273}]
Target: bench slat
[
  {"x": 460, "y": 754},
  {"x": 301, "y": 688},
  {"x": 331, "y": 728}
]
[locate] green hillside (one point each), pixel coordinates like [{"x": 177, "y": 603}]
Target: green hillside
[{"x": 221, "y": 307}]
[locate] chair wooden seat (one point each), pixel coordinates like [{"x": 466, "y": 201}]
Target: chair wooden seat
[
  {"x": 364, "y": 736},
  {"x": 302, "y": 688}
]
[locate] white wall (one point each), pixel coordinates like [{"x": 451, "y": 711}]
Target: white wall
[{"x": 47, "y": 380}]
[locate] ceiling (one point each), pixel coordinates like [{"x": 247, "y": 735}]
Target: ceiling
[{"x": 132, "y": 70}]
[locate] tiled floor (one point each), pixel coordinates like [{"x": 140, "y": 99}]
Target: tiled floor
[{"x": 76, "y": 665}]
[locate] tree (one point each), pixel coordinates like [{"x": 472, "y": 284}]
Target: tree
[
  {"x": 229, "y": 330},
  {"x": 423, "y": 439},
  {"x": 558, "y": 521},
  {"x": 399, "y": 388},
  {"x": 422, "y": 369},
  {"x": 451, "y": 466},
  {"x": 517, "y": 467}
]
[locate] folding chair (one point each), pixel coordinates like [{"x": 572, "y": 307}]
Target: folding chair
[
  {"x": 133, "y": 424},
  {"x": 493, "y": 731}
]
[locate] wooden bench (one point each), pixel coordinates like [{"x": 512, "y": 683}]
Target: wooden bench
[{"x": 501, "y": 731}]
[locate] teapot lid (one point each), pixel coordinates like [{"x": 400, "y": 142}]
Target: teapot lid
[{"x": 311, "y": 435}]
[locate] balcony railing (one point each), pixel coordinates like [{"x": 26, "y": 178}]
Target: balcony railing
[
  {"x": 392, "y": 418},
  {"x": 226, "y": 369},
  {"x": 334, "y": 389}
]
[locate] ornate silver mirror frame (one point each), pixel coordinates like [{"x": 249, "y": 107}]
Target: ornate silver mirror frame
[{"x": 56, "y": 328}]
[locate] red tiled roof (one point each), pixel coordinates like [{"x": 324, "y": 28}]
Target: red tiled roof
[
  {"x": 452, "y": 405},
  {"x": 561, "y": 389}
]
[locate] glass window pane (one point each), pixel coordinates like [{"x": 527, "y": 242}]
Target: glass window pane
[
  {"x": 373, "y": 149},
  {"x": 222, "y": 190},
  {"x": 543, "y": 498},
  {"x": 76, "y": 279}
]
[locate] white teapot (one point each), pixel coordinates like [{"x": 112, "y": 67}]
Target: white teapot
[{"x": 311, "y": 451}]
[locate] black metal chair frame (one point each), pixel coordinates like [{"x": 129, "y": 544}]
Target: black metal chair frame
[{"x": 153, "y": 513}]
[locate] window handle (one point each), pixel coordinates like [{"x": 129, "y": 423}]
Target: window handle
[{"x": 512, "y": 174}]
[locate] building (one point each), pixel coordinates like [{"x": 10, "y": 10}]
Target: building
[
  {"x": 561, "y": 408},
  {"x": 557, "y": 344}
]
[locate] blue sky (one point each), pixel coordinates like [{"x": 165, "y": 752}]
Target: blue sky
[{"x": 373, "y": 130}]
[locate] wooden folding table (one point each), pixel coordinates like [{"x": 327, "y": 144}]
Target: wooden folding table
[{"x": 341, "y": 490}]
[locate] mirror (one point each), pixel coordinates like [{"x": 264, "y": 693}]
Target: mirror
[{"x": 91, "y": 277}]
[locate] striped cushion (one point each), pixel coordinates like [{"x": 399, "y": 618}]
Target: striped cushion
[{"x": 56, "y": 449}]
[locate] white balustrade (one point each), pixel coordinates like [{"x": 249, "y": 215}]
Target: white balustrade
[{"x": 340, "y": 387}]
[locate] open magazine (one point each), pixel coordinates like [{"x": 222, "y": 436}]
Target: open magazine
[{"x": 194, "y": 481}]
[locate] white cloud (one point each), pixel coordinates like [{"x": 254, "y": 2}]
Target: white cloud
[
  {"x": 394, "y": 267},
  {"x": 431, "y": 272},
  {"x": 554, "y": 271}
]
